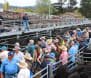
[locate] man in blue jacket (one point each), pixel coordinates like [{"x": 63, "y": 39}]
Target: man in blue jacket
[{"x": 25, "y": 22}]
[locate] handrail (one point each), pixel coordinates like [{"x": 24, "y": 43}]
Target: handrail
[{"x": 56, "y": 64}]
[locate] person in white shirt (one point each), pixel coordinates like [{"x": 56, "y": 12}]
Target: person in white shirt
[
  {"x": 24, "y": 71},
  {"x": 3, "y": 53},
  {"x": 18, "y": 54}
]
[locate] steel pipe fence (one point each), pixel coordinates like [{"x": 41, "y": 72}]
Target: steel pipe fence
[
  {"x": 18, "y": 24},
  {"x": 52, "y": 71},
  {"x": 36, "y": 34}
]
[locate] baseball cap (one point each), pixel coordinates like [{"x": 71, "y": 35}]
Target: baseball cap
[
  {"x": 52, "y": 55},
  {"x": 47, "y": 56},
  {"x": 3, "y": 47},
  {"x": 11, "y": 53}
]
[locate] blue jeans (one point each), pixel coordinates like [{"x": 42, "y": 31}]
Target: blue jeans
[
  {"x": 0, "y": 26},
  {"x": 10, "y": 76},
  {"x": 35, "y": 67},
  {"x": 26, "y": 25}
]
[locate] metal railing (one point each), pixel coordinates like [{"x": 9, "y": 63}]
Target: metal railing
[
  {"x": 52, "y": 71},
  {"x": 84, "y": 57},
  {"x": 16, "y": 24}
]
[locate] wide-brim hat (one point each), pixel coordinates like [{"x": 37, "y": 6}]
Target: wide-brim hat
[
  {"x": 64, "y": 48},
  {"x": 32, "y": 41},
  {"x": 56, "y": 41},
  {"x": 16, "y": 48},
  {"x": 17, "y": 44},
  {"x": 49, "y": 41},
  {"x": 28, "y": 56},
  {"x": 46, "y": 51},
  {"x": 22, "y": 64},
  {"x": 84, "y": 30},
  {"x": 74, "y": 31},
  {"x": 42, "y": 38},
  {"x": 78, "y": 29}
]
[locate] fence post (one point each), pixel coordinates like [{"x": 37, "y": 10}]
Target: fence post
[{"x": 50, "y": 71}]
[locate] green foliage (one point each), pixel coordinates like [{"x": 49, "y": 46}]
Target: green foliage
[
  {"x": 43, "y": 6},
  {"x": 85, "y": 9},
  {"x": 6, "y": 6},
  {"x": 73, "y": 3}
]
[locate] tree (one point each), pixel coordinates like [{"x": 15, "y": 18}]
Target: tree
[
  {"x": 65, "y": 6},
  {"x": 44, "y": 6},
  {"x": 72, "y": 3},
  {"x": 85, "y": 9},
  {"x": 6, "y": 6}
]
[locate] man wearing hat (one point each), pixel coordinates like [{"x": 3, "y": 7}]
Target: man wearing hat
[
  {"x": 18, "y": 54},
  {"x": 9, "y": 67},
  {"x": 31, "y": 47},
  {"x": 45, "y": 63},
  {"x": 52, "y": 58},
  {"x": 72, "y": 51},
  {"x": 28, "y": 60},
  {"x": 24, "y": 71},
  {"x": 25, "y": 22},
  {"x": 3, "y": 53},
  {"x": 79, "y": 32},
  {"x": 43, "y": 42}
]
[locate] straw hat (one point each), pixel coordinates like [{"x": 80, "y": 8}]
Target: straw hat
[
  {"x": 42, "y": 38},
  {"x": 17, "y": 44},
  {"x": 74, "y": 31},
  {"x": 16, "y": 48},
  {"x": 28, "y": 56},
  {"x": 46, "y": 51},
  {"x": 56, "y": 40},
  {"x": 64, "y": 48},
  {"x": 22, "y": 64},
  {"x": 49, "y": 41},
  {"x": 31, "y": 41},
  {"x": 78, "y": 29},
  {"x": 61, "y": 46},
  {"x": 84, "y": 30}
]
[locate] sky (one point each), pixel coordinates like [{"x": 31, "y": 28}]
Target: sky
[{"x": 23, "y": 2}]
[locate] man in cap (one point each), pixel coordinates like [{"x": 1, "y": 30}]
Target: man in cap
[
  {"x": 45, "y": 63},
  {"x": 18, "y": 54},
  {"x": 25, "y": 22},
  {"x": 3, "y": 53},
  {"x": 9, "y": 67},
  {"x": 31, "y": 47}
]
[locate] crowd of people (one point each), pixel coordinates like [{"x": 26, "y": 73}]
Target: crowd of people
[{"x": 17, "y": 64}]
